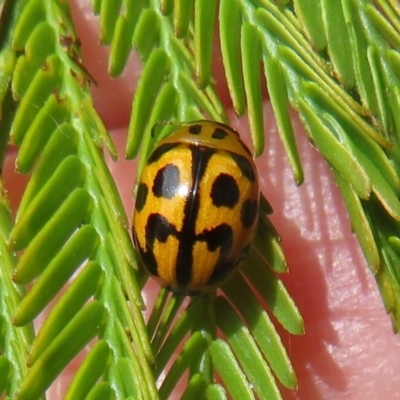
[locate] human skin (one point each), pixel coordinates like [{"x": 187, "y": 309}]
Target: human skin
[{"x": 349, "y": 350}]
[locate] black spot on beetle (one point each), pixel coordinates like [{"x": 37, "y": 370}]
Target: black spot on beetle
[
  {"x": 219, "y": 134},
  {"x": 166, "y": 182},
  {"x": 245, "y": 166},
  {"x": 141, "y": 196},
  {"x": 195, "y": 129},
  {"x": 160, "y": 151},
  {"x": 219, "y": 237},
  {"x": 158, "y": 228},
  {"x": 248, "y": 213},
  {"x": 224, "y": 191}
]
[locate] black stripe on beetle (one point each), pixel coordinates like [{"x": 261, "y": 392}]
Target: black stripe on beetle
[{"x": 184, "y": 263}]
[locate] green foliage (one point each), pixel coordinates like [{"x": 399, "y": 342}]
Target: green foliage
[
  {"x": 14, "y": 342},
  {"x": 71, "y": 221}
]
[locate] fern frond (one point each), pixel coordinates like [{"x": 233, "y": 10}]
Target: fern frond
[
  {"x": 347, "y": 111},
  {"x": 375, "y": 148},
  {"x": 169, "y": 65},
  {"x": 71, "y": 220},
  {"x": 343, "y": 102},
  {"x": 14, "y": 342}
]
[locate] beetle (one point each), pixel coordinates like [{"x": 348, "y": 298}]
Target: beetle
[{"x": 196, "y": 207}]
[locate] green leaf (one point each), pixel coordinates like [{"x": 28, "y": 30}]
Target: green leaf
[
  {"x": 14, "y": 342},
  {"x": 101, "y": 391},
  {"x": 230, "y": 371},
  {"x": 32, "y": 11},
  {"x": 121, "y": 44},
  {"x": 216, "y": 392},
  {"x": 359, "y": 43},
  {"x": 35, "y": 97},
  {"x": 310, "y": 15},
  {"x": 175, "y": 338},
  {"x": 182, "y": 13},
  {"x": 273, "y": 292},
  {"x": 165, "y": 322},
  {"x": 53, "y": 113},
  {"x": 36, "y": 53},
  {"x": 79, "y": 292},
  {"x": 201, "y": 99},
  {"x": 360, "y": 223},
  {"x": 70, "y": 216},
  {"x": 78, "y": 249},
  {"x": 5, "y": 373},
  {"x": 196, "y": 388},
  {"x": 85, "y": 325},
  {"x": 156, "y": 72},
  {"x": 382, "y": 24},
  {"x": 335, "y": 152},
  {"x": 94, "y": 365},
  {"x": 203, "y": 40},
  {"x": 337, "y": 37},
  {"x": 261, "y": 328},
  {"x": 373, "y": 59},
  {"x": 246, "y": 351},
  {"x": 230, "y": 19},
  {"x": 192, "y": 350},
  {"x": 338, "y": 102},
  {"x": 252, "y": 84},
  {"x": 147, "y": 33},
  {"x": 70, "y": 175},
  {"x": 125, "y": 378},
  {"x": 166, "y": 6},
  {"x": 267, "y": 244},
  {"x": 109, "y": 12},
  {"x": 279, "y": 101}
]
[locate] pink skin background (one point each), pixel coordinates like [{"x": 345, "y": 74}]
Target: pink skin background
[{"x": 349, "y": 350}]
